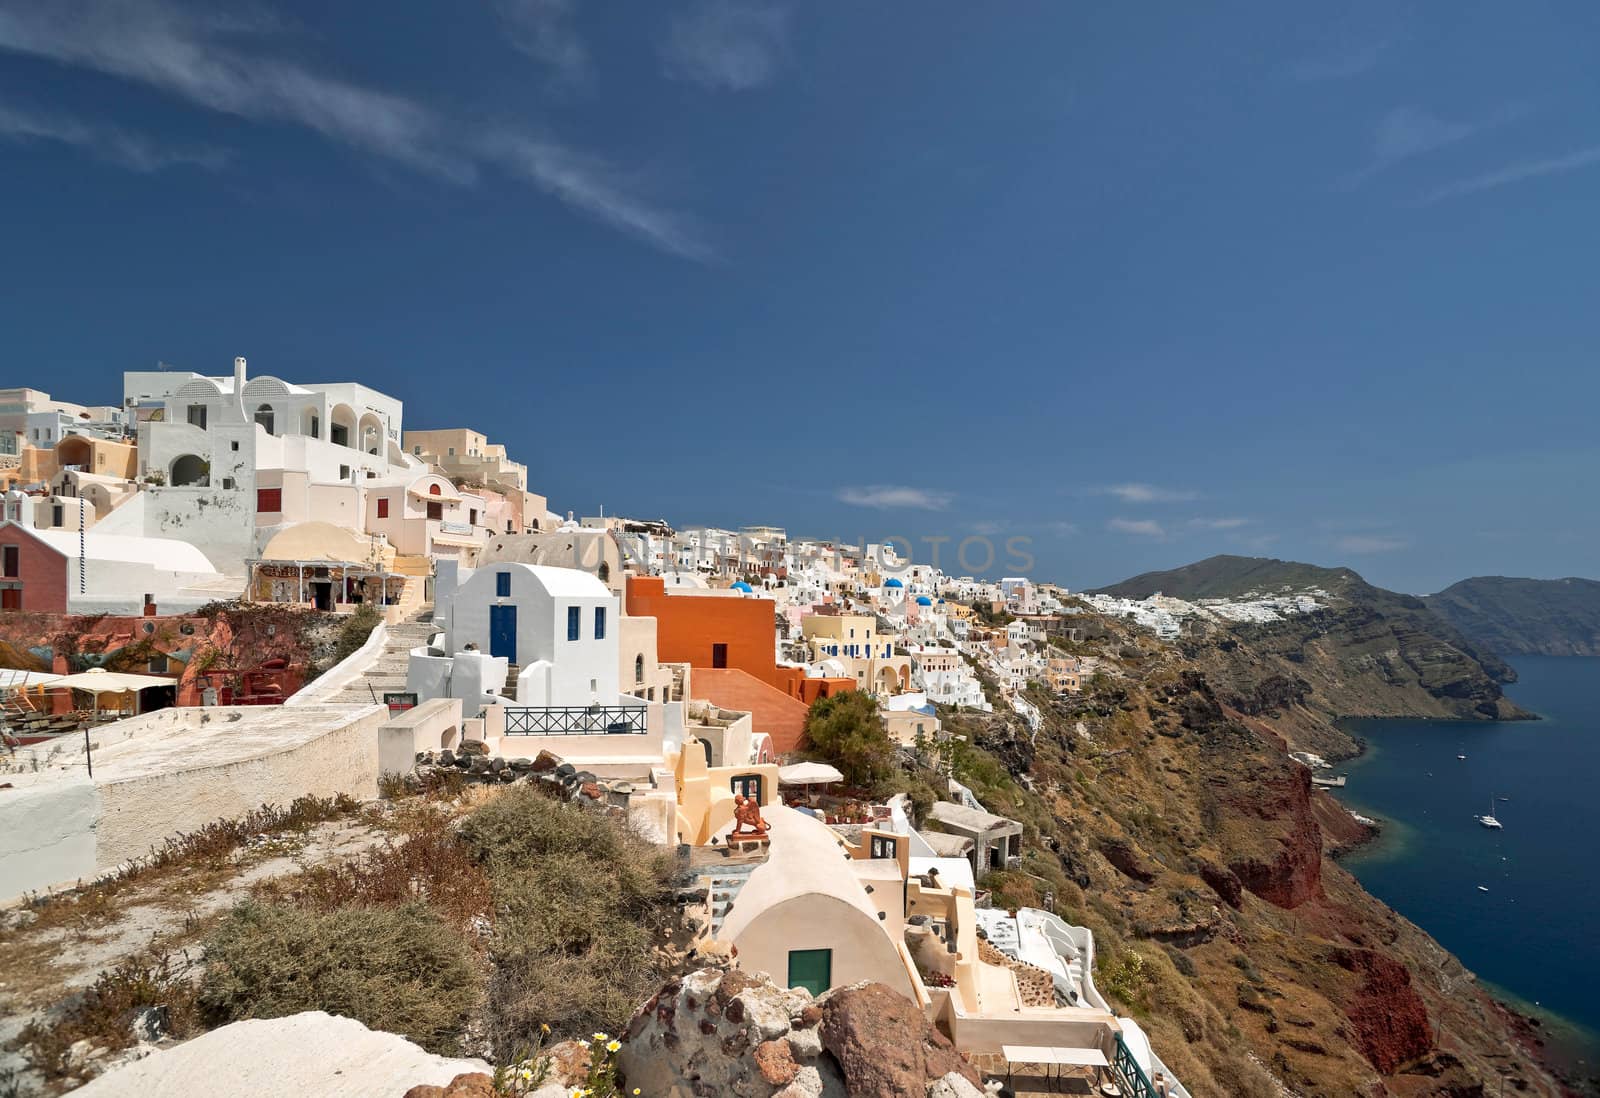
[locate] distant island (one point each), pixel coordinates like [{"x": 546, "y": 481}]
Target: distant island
[{"x": 1514, "y": 617}]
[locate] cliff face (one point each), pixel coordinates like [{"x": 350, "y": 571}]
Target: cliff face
[
  {"x": 1367, "y": 652},
  {"x": 1174, "y": 824},
  {"x": 1525, "y": 616}
]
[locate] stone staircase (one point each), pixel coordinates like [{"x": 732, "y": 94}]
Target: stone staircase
[
  {"x": 388, "y": 672},
  {"x": 723, "y": 887}
]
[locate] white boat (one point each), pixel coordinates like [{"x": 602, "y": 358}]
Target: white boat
[
  {"x": 1489, "y": 820},
  {"x": 1483, "y": 888},
  {"x": 1463, "y": 758}
]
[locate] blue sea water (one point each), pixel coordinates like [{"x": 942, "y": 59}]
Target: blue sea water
[{"x": 1533, "y": 934}]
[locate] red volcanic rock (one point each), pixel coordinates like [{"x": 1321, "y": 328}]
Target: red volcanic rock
[
  {"x": 1388, "y": 1019},
  {"x": 776, "y": 1062},
  {"x": 884, "y": 1045},
  {"x": 1284, "y": 866}
]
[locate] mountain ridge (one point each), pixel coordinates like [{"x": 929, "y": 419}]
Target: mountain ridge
[
  {"x": 1365, "y": 652},
  {"x": 1518, "y": 616}
]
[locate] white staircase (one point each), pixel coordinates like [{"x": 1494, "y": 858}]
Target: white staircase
[{"x": 388, "y": 672}]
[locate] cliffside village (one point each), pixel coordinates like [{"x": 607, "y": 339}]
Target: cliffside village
[{"x": 661, "y": 674}]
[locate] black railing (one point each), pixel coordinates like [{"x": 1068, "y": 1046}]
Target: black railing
[{"x": 593, "y": 720}]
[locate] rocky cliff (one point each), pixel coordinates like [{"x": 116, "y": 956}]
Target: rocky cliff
[
  {"x": 1366, "y": 652},
  {"x": 1524, "y": 616},
  {"x": 1164, "y": 812}
]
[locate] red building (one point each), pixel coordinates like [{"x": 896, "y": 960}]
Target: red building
[
  {"x": 731, "y": 643},
  {"x": 33, "y": 575}
]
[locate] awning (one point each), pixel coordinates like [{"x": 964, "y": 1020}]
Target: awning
[
  {"x": 97, "y": 681},
  {"x": 446, "y": 491},
  {"x": 469, "y": 540},
  {"x": 808, "y": 773}
]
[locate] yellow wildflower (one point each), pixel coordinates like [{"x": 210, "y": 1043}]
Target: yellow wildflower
[
  {"x": 613, "y": 1046},
  {"x": 602, "y": 1037}
]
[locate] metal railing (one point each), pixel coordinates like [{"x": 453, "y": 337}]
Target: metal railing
[
  {"x": 593, "y": 720},
  {"x": 1130, "y": 1074}
]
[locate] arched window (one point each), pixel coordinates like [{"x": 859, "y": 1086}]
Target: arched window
[
  {"x": 638, "y": 669},
  {"x": 264, "y": 417},
  {"x": 605, "y": 572},
  {"x": 434, "y": 490}
]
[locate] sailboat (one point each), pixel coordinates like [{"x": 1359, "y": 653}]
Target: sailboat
[{"x": 1490, "y": 821}]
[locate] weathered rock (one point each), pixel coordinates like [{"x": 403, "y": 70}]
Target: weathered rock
[
  {"x": 545, "y": 761},
  {"x": 884, "y": 1045},
  {"x": 954, "y": 1085},
  {"x": 726, "y": 1032},
  {"x": 476, "y": 748},
  {"x": 466, "y": 1085},
  {"x": 776, "y": 1063}
]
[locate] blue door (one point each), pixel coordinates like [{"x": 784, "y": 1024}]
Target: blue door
[{"x": 503, "y": 632}]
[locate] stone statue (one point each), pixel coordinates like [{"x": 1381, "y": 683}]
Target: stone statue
[{"x": 746, "y": 813}]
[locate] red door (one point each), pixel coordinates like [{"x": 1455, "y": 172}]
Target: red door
[{"x": 10, "y": 598}]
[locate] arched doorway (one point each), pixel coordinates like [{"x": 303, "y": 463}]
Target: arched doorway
[
  {"x": 74, "y": 450},
  {"x": 342, "y": 425},
  {"x": 190, "y": 470},
  {"x": 266, "y": 419}
]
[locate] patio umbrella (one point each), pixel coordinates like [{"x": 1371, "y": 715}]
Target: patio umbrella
[
  {"x": 809, "y": 773},
  {"x": 97, "y": 681}
]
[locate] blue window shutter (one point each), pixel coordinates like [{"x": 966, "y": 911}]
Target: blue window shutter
[
  {"x": 599, "y": 623},
  {"x": 574, "y": 622},
  {"x": 502, "y": 584}
]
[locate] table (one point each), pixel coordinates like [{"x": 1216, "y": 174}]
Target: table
[{"x": 1049, "y": 1056}]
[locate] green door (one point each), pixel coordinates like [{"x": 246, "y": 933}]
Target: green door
[{"x": 811, "y": 969}]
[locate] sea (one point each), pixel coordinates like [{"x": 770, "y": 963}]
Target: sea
[{"x": 1519, "y": 906}]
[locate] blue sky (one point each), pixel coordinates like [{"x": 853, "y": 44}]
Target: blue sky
[{"x": 1139, "y": 284}]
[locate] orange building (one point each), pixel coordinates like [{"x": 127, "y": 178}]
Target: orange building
[{"x": 731, "y": 643}]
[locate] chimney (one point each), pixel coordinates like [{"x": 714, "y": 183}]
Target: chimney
[{"x": 238, "y": 386}]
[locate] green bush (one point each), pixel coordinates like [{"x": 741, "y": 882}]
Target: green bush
[
  {"x": 845, "y": 730},
  {"x": 399, "y": 969},
  {"x": 354, "y": 631},
  {"x": 580, "y": 904}
]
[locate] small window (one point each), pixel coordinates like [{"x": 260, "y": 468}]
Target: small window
[
  {"x": 599, "y": 623},
  {"x": 234, "y": 446},
  {"x": 13, "y": 560},
  {"x": 197, "y": 416},
  {"x": 383, "y": 508},
  {"x": 882, "y": 847},
  {"x": 227, "y": 482},
  {"x": 158, "y": 664},
  {"x": 604, "y": 572},
  {"x": 344, "y": 472},
  {"x": 436, "y": 511},
  {"x": 638, "y": 669},
  {"x": 502, "y": 584},
  {"x": 269, "y": 500},
  {"x": 434, "y": 490},
  {"x": 57, "y": 515},
  {"x": 574, "y": 622},
  {"x": 472, "y": 517}
]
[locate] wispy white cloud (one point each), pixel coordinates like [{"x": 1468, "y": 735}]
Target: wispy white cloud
[
  {"x": 1219, "y": 523},
  {"x": 1148, "y": 493},
  {"x": 1408, "y": 132},
  {"x": 134, "y": 151},
  {"x": 194, "y": 54},
  {"x": 1147, "y": 528},
  {"x": 589, "y": 184},
  {"x": 987, "y": 527},
  {"x": 893, "y": 495},
  {"x": 1371, "y": 543},
  {"x": 1064, "y": 529},
  {"x": 1515, "y": 173},
  {"x": 1343, "y": 65},
  {"x": 543, "y": 30},
  {"x": 734, "y": 45}
]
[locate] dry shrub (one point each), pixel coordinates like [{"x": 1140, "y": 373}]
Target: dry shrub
[
  {"x": 580, "y": 903},
  {"x": 220, "y": 838},
  {"x": 397, "y": 969},
  {"x": 104, "y": 1014},
  {"x": 430, "y": 864}
]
